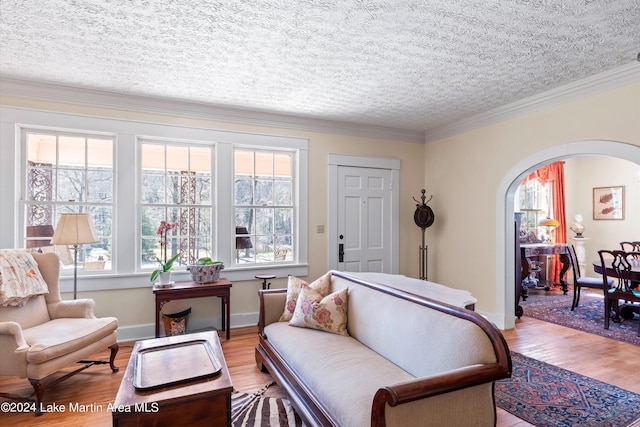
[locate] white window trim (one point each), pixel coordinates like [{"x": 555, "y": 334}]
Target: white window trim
[{"x": 126, "y": 274}]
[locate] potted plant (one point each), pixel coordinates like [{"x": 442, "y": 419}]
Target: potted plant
[{"x": 165, "y": 265}]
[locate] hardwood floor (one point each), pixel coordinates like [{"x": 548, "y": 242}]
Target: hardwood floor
[{"x": 85, "y": 397}]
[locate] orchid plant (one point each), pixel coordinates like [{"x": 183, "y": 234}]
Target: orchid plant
[{"x": 165, "y": 264}]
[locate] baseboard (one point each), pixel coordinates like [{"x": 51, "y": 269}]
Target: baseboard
[{"x": 147, "y": 330}]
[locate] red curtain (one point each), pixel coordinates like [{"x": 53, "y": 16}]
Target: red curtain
[{"x": 554, "y": 172}]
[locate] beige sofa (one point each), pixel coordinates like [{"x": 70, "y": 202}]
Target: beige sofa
[
  {"x": 407, "y": 360},
  {"x": 47, "y": 334}
]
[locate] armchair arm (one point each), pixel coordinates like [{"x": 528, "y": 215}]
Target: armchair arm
[
  {"x": 13, "y": 350},
  {"x": 14, "y": 329},
  {"x": 78, "y": 308}
]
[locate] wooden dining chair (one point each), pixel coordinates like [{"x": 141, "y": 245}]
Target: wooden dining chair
[
  {"x": 622, "y": 267},
  {"x": 630, "y": 246},
  {"x": 579, "y": 281}
]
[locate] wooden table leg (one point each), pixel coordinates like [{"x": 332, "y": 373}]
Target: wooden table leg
[
  {"x": 157, "y": 318},
  {"x": 226, "y": 316},
  {"x": 566, "y": 263}
]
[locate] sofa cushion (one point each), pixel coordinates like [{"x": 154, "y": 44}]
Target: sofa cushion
[
  {"x": 324, "y": 313},
  {"x": 294, "y": 285},
  {"x": 334, "y": 366},
  {"x": 63, "y": 336}
]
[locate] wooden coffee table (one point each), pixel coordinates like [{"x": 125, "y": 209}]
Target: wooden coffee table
[{"x": 198, "y": 392}]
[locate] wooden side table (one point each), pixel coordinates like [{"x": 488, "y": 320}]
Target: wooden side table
[
  {"x": 197, "y": 402},
  {"x": 264, "y": 278},
  {"x": 187, "y": 290}
]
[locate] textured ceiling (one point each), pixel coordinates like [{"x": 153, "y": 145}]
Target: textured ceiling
[{"x": 403, "y": 64}]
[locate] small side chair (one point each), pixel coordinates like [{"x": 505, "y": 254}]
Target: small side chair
[{"x": 580, "y": 282}]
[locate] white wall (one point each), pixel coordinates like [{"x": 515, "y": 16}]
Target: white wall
[
  {"x": 582, "y": 174},
  {"x": 473, "y": 176}
]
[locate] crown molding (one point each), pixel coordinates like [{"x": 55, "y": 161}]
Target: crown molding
[
  {"x": 44, "y": 91},
  {"x": 620, "y": 76}
]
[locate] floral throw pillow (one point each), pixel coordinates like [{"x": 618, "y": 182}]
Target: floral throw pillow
[
  {"x": 322, "y": 285},
  {"x": 324, "y": 313}
]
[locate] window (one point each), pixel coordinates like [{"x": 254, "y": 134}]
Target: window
[
  {"x": 69, "y": 172},
  {"x": 176, "y": 187},
  {"x": 263, "y": 206},
  {"x": 131, "y": 175},
  {"x": 534, "y": 201}
]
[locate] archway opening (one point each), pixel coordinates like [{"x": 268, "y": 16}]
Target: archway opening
[{"x": 505, "y": 239}]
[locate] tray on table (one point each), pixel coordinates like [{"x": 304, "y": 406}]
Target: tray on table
[{"x": 174, "y": 363}]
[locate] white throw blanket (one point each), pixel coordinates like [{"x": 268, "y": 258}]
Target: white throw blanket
[{"x": 20, "y": 278}]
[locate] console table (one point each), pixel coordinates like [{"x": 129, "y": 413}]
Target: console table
[
  {"x": 539, "y": 249},
  {"x": 187, "y": 290}
]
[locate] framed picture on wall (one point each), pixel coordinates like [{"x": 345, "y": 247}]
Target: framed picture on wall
[{"x": 608, "y": 202}]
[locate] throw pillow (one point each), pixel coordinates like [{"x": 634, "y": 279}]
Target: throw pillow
[
  {"x": 322, "y": 285},
  {"x": 324, "y": 313}
]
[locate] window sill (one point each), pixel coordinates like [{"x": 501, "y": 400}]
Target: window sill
[{"x": 141, "y": 280}]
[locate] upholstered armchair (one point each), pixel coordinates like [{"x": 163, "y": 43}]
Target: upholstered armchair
[{"x": 47, "y": 334}]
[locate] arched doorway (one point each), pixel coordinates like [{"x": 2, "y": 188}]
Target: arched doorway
[{"x": 505, "y": 268}]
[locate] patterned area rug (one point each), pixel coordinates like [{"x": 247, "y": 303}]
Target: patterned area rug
[
  {"x": 261, "y": 409},
  {"x": 545, "y": 395},
  {"x": 587, "y": 317}
]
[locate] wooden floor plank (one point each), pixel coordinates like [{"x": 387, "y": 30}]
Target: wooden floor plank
[{"x": 93, "y": 389}]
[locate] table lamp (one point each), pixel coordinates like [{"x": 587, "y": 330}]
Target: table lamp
[
  {"x": 242, "y": 242},
  {"x": 74, "y": 229},
  {"x": 550, "y": 224}
]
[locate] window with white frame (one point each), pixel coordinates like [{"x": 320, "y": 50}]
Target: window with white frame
[
  {"x": 69, "y": 172},
  {"x": 264, "y": 206},
  {"x": 176, "y": 187},
  {"x": 534, "y": 201},
  {"x": 129, "y": 183}
]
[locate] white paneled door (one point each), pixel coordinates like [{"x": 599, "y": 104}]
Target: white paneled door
[{"x": 364, "y": 211}]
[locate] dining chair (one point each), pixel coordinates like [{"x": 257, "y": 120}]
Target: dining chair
[
  {"x": 633, "y": 246},
  {"x": 579, "y": 281},
  {"x": 624, "y": 268}
]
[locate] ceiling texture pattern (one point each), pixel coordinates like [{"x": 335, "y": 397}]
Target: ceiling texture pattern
[{"x": 404, "y": 64}]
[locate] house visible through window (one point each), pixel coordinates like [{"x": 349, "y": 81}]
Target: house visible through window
[
  {"x": 69, "y": 172},
  {"x": 263, "y": 206},
  {"x": 176, "y": 187}
]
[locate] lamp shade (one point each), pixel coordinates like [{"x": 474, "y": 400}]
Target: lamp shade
[
  {"x": 74, "y": 229},
  {"x": 548, "y": 222},
  {"x": 241, "y": 241}
]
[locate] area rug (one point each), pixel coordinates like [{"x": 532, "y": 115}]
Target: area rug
[
  {"x": 260, "y": 409},
  {"x": 545, "y": 395},
  {"x": 587, "y": 317}
]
